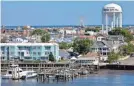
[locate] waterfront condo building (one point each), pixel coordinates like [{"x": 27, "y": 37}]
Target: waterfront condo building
[{"x": 29, "y": 51}]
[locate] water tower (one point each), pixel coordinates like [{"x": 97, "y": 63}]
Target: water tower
[{"x": 111, "y": 17}]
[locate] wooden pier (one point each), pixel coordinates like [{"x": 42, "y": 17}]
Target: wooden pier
[
  {"x": 30, "y": 65},
  {"x": 65, "y": 74},
  {"x": 54, "y": 71}
]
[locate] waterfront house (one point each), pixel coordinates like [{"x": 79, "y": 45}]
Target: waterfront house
[
  {"x": 29, "y": 51},
  {"x": 106, "y": 44},
  {"x": 87, "y": 61},
  {"x": 91, "y": 58},
  {"x": 104, "y": 48}
]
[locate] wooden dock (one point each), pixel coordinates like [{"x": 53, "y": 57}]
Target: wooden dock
[
  {"x": 29, "y": 65},
  {"x": 65, "y": 74},
  {"x": 54, "y": 71}
]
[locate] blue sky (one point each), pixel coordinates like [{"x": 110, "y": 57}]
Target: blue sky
[{"x": 59, "y": 13}]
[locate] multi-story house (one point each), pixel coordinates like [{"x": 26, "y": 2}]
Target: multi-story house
[
  {"x": 104, "y": 45},
  {"x": 29, "y": 51}
]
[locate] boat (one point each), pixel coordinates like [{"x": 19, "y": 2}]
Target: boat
[{"x": 14, "y": 72}]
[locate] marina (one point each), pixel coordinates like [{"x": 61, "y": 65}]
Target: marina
[
  {"x": 67, "y": 44},
  {"x": 57, "y": 71},
  {"x": 63, "y": 71}
]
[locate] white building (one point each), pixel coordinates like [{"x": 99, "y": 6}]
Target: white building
[
  {"x": 111, "y": 17},
  {"x": 15, "y": 39},
  {"x": 29, "y": 51},
  {"x": 87, "y": 61}
]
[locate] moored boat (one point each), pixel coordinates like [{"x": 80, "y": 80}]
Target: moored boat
[{"x": 14, "y": 72}]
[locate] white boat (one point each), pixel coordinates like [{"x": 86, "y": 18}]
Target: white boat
[{"x": 14, "y": 72}]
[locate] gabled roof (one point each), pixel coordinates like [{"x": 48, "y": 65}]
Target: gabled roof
[
  {"x": 108, "y": 43},
  {"x": 98, "y": 44},
  {"x": 101, "y": 44}
]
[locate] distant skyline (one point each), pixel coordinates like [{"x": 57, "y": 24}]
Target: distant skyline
[{"x": 18, "y": 13}]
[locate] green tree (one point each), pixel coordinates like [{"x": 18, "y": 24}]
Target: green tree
[
  {"x": 64, "y": 45},
  {"x": 127, "y": 35},
  {"x": 45, "y": 37},
  {"x": 82, "y": 46},
  {"x": 38, "y": 32},
  {"x": 70, "y": 45},
  {"x": 113, "y": 57},
  {"x": 51, "y": 57},
  {"x": 123, "y": 50},
  {"x": 127, "y": 49}
]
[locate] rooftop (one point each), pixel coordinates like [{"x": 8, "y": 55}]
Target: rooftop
[{"x": 27, "y": 44}]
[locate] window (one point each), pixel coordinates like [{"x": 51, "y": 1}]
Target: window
[
  {"x": 39, "y": 47},
  {"x": 12, "y": 53},
  {"x": 34, "y": 53},
  {"x": 28, "y": 57},
  {"x": 104, "y": 48},
  {"x": 47, "y": 47},
  {"x": 44, "y": 58},
  {"x": 46, "y": 53},
  {"x": 21, "y": 48},
  {"x": 34, "y": 58},
  {"x": 3, "y": 58},
  {"x": 34, "y": 47},
  {"x": 39, "y": 53},
  {"x": 10, "y": 72},
  {"x": 22, "y": 53},
  {"x": 19, "y": 53},
  {"x": 3, "y": 52},
  {"x": 2, "y": 48},
  {"x": 104, "y": 53}
]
